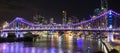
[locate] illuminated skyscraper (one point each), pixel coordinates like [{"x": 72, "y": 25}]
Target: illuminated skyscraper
[
  {"x": 38, "y": 19},
  {"x": 97, "y": 11},
  {"x": 64, "y": 19},
  {"x": 104, "y": 4},
  {"x": 104, "y": 8},
  {"x": 70, "y": 20},
  {"x": 51, "y": 20}
]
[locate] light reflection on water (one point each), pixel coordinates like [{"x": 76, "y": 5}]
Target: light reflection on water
[{"x": 55, "y": 46}]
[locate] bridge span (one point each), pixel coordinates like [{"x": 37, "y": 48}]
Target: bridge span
[{"x": 106, "y": 22}]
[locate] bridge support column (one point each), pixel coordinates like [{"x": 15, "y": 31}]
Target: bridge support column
[
  {"x": 1, "y": 35},
  {"x": 110, "y": 26},
  {"x": 4, "y": 34},
  {"x": 19, "y": 34},
  {"x": 110, "y": 36}
]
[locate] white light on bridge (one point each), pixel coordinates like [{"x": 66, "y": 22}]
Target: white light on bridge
[{"x": 110, "y": 26}]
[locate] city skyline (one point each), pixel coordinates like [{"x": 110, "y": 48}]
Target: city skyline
[
  {"x": 28, "y": 8},
  {"x": 59, "y": 26}
]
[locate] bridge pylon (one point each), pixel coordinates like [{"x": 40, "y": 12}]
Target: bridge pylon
[
  {"x": 4, "y": 34},
  {"x": 19, "y": 34},
  {"x": 110, "y": 34}
]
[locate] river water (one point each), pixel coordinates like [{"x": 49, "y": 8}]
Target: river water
[{"x": 74, "y": 45}]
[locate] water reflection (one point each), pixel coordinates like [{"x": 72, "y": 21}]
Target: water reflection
[{"x": 71, "y": 45}]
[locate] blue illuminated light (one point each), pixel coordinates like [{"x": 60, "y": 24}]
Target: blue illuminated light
[
  {"x": 52, "y": 30},
  {"x": 53, "y": 50},
  {"x": 110, "y": 12},
  {"x": 110, "y": 16},
  {"x": 79, "y": 43},
  {"x": 110, "y": 26},
  {"x": 110, "y": 19}
]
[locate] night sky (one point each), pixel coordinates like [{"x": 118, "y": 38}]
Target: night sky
[{"x": 9, "y": 9}]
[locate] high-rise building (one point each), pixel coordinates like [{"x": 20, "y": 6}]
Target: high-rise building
[
  {"x": 64, "y": 19},
  {"x": 38, "y": 19},
  {"x": 75, "y": 19},
  {"x": 45, "y": 22},
  {"x": 104, "y": 4},
  {"x": 102, "y": 9},
  {"x": 70, "y": 21},
  {"x": 51, "y": 20},
  {"x": 98, "y": 11}
]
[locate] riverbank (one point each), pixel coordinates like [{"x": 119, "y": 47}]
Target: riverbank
[{"x": 24, "y": 39}]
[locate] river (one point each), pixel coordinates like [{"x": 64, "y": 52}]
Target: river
[{"x": 74, "y": 45}]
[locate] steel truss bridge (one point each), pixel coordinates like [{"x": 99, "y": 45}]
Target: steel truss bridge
[
  {"x": 98, "y": 23},
  {"x": 108, "y": 21}
]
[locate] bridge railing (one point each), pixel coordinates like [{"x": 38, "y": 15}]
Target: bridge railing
[{"x": 64, "y": 28}]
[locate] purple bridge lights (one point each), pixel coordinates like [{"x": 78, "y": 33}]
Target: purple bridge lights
[{"x": 99, "y": 23}]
